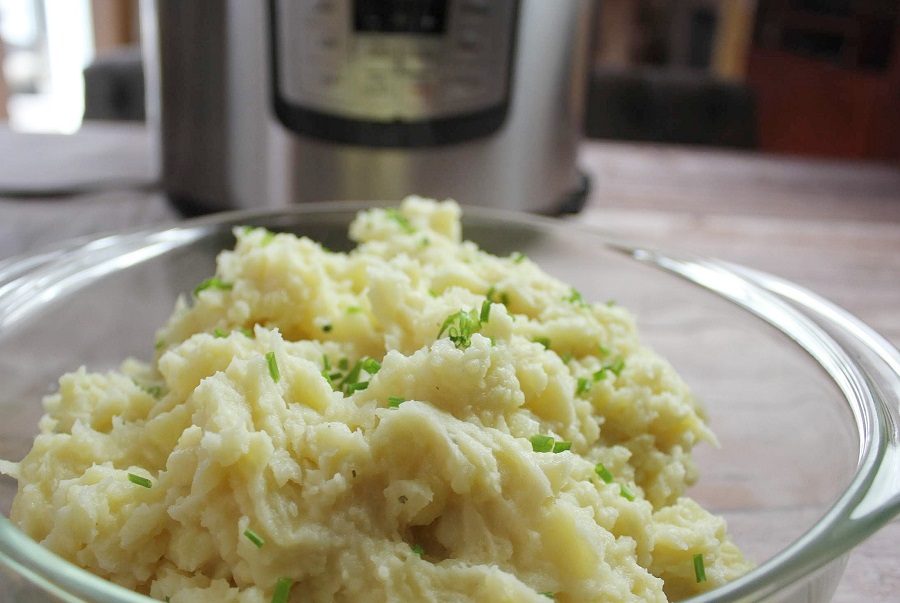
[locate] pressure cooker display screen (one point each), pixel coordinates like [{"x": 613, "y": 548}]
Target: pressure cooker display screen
[{"x": 400, "y": 16}]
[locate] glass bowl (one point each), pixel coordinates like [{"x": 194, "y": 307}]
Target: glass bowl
[{"x": 803, "y": 396}]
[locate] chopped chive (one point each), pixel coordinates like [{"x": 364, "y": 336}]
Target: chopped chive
[
  {"x": 615, "y": 367},
  {"x": 246, "y": 332},
  {"x": 603, "y": 349},
  {"x": 353, "y": 310},
  {"x": 326, "y": 363},
  {"x": 432, "y": 293},
  {"x": 418, "y": 550},
  {"x": 254, "y": 538},
  {"x": 460, "y": 327},
  {"x": 626, "y": 493},
  {"x": 395, "y": 401},
  {"x": 273, "y": 366},
  {"x": 351, "y": 380},
  {"x": 610, "y": 303},
  {"x": 576, "y": 298},
  {"x": 327, "y": 327},
  {"x": 494, "y": 297},
  {"x": 219, "y": 333},
  {"x": 699, "y": 568},
  {"x": 153, "y": 390},
  {"x": 344, "y": 364},
  {"x": 213, "y": 282},
  {"x": 140, "y": 481},
  {"x": 267, "y": 237},
  {"x": 371, "y": 366},
  {"x": 603, "y": 472},
  {"x": 561, "y": 446},
  {"x": 358, "y": 386},
  {"x": 394, "y": 214},
  {"x": 583, "y": 387},
  {"x": 517, "y": 257},
  {"x": 544, "y": 341},
  {"x": 566, "y": 358},
  {"x": 282, "y": 590},
  {"x": 542, "y": 443},
  {"x": 485, "y": 311},
  {"x": 549, "y": 595},
  {"x": 160, "y": 344}
]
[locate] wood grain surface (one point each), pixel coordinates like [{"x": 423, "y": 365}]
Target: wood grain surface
[{"x": 833, "y": 227}]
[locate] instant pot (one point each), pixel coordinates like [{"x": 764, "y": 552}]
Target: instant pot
[{"x": 289, "y": 101}]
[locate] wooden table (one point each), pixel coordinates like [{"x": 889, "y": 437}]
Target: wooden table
[{"x": 832, "y": 227}]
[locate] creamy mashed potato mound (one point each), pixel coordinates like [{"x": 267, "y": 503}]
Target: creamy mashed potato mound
[{"x": 414, "y": 420}]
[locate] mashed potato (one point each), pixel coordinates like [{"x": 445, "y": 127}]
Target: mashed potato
[{"x": 415, "y": 420}]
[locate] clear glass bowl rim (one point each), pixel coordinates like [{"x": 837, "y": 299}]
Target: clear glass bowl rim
[{"x": 865, "y": 365}]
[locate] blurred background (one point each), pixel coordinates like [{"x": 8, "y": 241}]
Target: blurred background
[{"x": 801, "y": 77}]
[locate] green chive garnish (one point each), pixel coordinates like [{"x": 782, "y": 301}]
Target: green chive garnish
[
  {"x": 583, "y": 387},
  {"x": 282, "y": 590},
  {"x": 699, "y": 568},
  {"x": 371, "y": 366},
  {"x": 418, "y": 550},
  {"x": 140, "y": 481},
  {"x": 544, "y": 341},
  {"x": 254, "y": 538},
  {"x": 604, "y": 473},
  {"x": 153, "y": 390},
  {"x": 485, "y": 311},
  {"x": 561, "y": 446},
  {"x": 394, "y": 214},
  {"x": 273, "y": 367},
  {"x": 517, "y": 257},
  {"x": 615, "y": 367},
  {"x": 541, "y": 443},
  {"x": 213, "y": 282},
  {"x": 395, "y": 401},
  {"x": 460, "y": 327},
  {"x": 576, "y": 298},
  {"x": 626, "y": 493}
]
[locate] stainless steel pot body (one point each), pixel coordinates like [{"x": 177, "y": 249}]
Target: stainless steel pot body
[{"x": 241, "y": 101}]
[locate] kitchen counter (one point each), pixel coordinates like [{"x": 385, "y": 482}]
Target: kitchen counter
[{"x": 833, "y": 227}]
